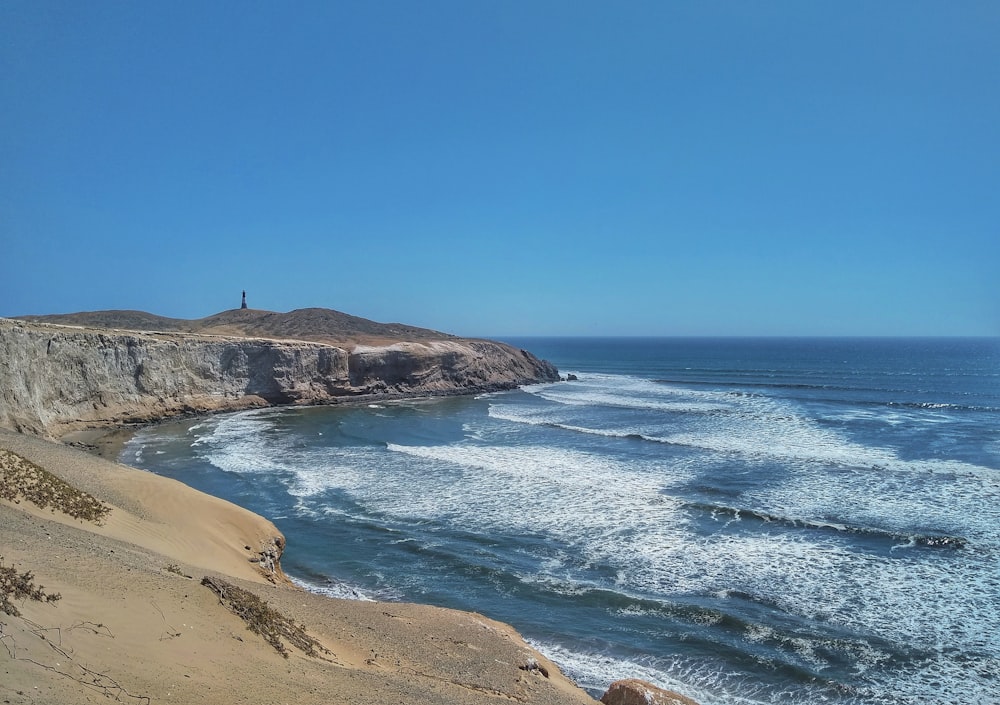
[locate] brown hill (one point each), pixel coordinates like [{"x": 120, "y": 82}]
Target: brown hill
[
  {"x": 122, "y": 320},
  {"x": 319, "y": 325}
]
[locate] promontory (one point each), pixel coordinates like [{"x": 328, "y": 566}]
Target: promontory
[{"x": 63, "y": 373}]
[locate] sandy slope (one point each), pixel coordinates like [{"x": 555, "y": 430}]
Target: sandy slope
[{"x": 130, "y": 628}]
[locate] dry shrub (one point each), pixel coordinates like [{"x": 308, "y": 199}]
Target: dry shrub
[
  {"x": 22, "y": 479},
  {"x": 264, "y": 620},
  {"x": 20, "y": 586}
]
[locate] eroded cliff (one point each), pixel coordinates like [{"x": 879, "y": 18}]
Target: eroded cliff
[{"x": 55, "y": 378}]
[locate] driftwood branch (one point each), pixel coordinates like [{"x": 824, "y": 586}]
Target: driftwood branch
[{"x": 87, "y": 677}]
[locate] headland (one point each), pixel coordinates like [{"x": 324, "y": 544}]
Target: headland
[{"x": 108, "y": 369}]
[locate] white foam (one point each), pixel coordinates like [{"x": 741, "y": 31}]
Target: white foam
[
  {"x": 594, "y": 504},
  {"x": 544, "y": 418},
  {"x": 833, "y": 484},
  {"x": 704, "y": 680},
  {"x": 623, "y": 515},
  {"x": 750, "y": 426},
  {"x": 620, "y": 391},
  {"x": 338, "y": 590},
  {"x": 535, "y": 489}
]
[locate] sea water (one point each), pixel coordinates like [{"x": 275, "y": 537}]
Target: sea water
[{"x": 742, "y": 520}]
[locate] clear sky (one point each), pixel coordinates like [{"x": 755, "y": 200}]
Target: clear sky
[{"x": 514, "y": 167}]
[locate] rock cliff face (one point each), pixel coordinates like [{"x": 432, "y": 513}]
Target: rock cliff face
[{"x": 55, "y": 379}]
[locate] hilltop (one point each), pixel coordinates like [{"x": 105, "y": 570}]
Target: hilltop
[{"x": 320, "y": 325}]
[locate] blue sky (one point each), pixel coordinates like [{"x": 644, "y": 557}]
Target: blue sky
[{"x": 506, "y": 168}]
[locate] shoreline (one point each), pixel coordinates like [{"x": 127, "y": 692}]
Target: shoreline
[
  {"x": 108, "y": 440},
  {"x": 161, "y": 537},
  {"x": 106, "y": 443},
  {"x": 131, "y": 611}
]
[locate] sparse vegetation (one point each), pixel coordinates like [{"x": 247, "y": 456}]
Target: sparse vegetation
[
  {"x": 264, "y": 620},
  {"x": 176, "y": 570},
  {"x": 312, "y": 324},
  {"x": 22, "y": 479},
  {"x": 20, "y": 586}
]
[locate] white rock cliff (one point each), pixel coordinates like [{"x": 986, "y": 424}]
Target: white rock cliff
[{"x": 55, "y": 379}]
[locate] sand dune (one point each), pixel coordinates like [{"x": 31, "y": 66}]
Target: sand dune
[{"x": 135, "y": 624}]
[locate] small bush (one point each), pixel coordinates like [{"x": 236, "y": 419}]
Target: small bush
[
  {"x": 22, "y": 479},
  {"x": 20, "y": 586},
  {"x": 176, "y": 570}
]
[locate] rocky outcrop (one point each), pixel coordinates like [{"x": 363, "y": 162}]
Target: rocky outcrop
[
  {"x": 55, "y": 378},
  {"x": 632, "y": 691},
  {"x": 268, "y": 558}
]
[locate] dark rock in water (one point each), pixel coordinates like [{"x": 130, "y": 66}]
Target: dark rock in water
[
  {"x": 632, "y": 691},
  {"x": 941, "y": 541},
  {"x": 571, "y": 378}
]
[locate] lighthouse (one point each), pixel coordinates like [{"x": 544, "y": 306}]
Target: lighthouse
[{"x": 244, "y": 304}]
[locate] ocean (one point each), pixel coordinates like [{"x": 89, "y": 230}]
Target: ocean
[{"x": 745, "y": 521}]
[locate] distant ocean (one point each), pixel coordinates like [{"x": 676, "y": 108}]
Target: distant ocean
[{"x": 742, "y": 520}]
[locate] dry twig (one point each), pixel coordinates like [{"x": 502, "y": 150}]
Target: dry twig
[{"x": 264, "y": 620}]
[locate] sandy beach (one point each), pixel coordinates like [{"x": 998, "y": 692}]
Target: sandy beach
[{"x": 134, "y": 623}]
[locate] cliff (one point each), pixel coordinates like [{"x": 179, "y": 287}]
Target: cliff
[{"x": 57, "y": 378}]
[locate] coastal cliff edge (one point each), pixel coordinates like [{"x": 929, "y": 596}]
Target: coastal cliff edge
[{"x": 66, "y": 373}]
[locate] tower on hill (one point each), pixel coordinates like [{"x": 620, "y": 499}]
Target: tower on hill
[{"x": 244, "y": 304}]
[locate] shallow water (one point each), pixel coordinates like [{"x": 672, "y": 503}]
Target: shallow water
[{"x": 745, "y": 521}]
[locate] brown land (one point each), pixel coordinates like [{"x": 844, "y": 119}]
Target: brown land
[{"x": 317, "y": 325}]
